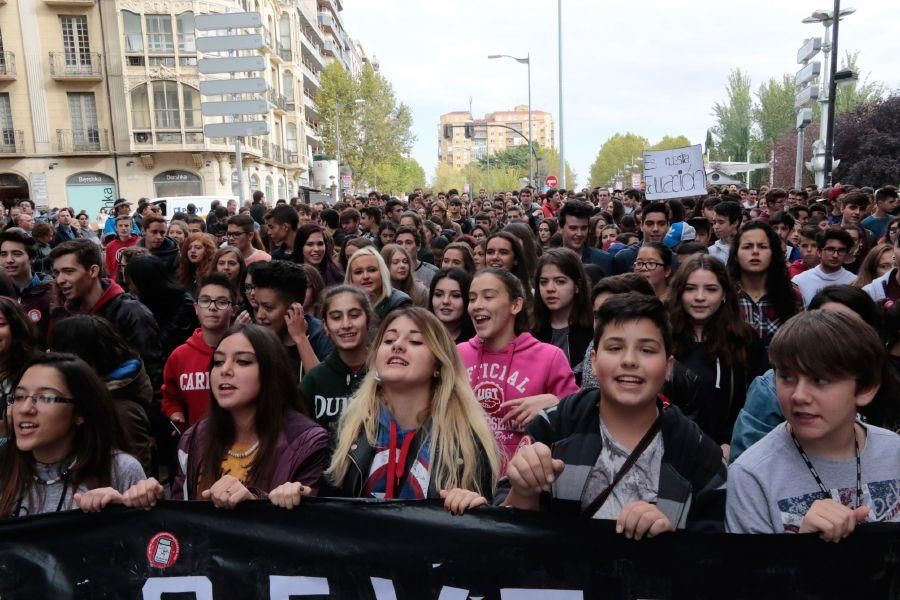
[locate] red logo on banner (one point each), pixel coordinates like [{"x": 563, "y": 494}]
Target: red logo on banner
[{"x": 162, "y": 551}]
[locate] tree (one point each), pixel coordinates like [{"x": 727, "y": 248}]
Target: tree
[
  {"x": 867, "y": 142},
  {"x": 617, "y": 151},
  {"x": 374, "y": 132},
  {"x": 549, "y": 165},
  {"x": 516, "y": 158},
  {"x": 734, "y": 118},
  {"x": 497, "y": 179},
  {"x": 670, "y": 143},
  {"x": 852, "y": 95},
  {"x": 400, "y": 175},
  {"x": 774, "y": 112}
]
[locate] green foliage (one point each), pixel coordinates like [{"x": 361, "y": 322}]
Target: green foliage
[
  {"x": 617, "y": 151},
  {"x": 734, "y": 118},
  {"x": 854, "y": 95},
  {"x": 374, "y": 133},
  {"x": 400, "y": 175},
  {"x": 515, "y": 161},
  {"x": 774, "y": 112},
  {"x": 497, "y": 179},
  {"x": 670, "y": 143}
]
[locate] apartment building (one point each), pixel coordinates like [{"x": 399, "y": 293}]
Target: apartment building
[
  {"x": 495, "y": 132},
  {"x": 100, "y": 99}
]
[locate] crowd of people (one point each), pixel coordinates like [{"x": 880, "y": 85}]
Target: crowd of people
[{"x": 728, "y": 362}]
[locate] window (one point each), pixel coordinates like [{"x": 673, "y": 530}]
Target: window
[
  {"x": 83, "y": 113},
  {"x": 287, "y": 87},
  {"x": 7, "y": 133},
  {"x": 291, "y": 137},
  {"x": 76, "y": 44},
  {"x": 270, "y": 188},
  {"x": 135, "y": 61},
  {"x": 282, "y": 190},
  {"x": 134, "y": 36},
  {"x": 191, "y": 99},
  {"x": 162, "y": 61},
  {"x": 186, "y": 32},
  {"x": 140, "y": 108},
  {"x": 165, "y": 105},
  {"x": 159, "y": 34},
  {"x": 254, "y": 183}
]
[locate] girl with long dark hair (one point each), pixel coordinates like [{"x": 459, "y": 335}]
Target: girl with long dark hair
[
  {"x": 562, "y": 306},
  {"x": 65, "y": 447},
  {"x": 313, "y": 246},
  {"x": 758, "y": 269},
  {"x": 254, "y": 437},
  {"x": 712, "y": 340},
  {"x": 448, "y": 299}
]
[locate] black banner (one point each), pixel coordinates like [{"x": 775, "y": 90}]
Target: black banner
[{"x": 409, "y": 550}]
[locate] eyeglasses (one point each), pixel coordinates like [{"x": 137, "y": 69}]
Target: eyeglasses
[
  {"x": 42, "y": 399},
  {"x": 647, "y": 265},
  {"x": 249, "y": 287},
  {"x": 835, "y": 251},
  {"x": 220, "y": 303},
  {"x": 234, "y": 234}
]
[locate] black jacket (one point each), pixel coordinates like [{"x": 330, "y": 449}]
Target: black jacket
[
  {"x": 130, "y": 318},
  {"x": 579, "y": 339},
  {"x": 177, "y": 325},
  {"x": 258, "y": 212},
  {"x": 397, "y": 299},
  {"x": 362, "y": 454},
  {"x": 168, "y": 252},
  {"x": 691, "y": 490}
]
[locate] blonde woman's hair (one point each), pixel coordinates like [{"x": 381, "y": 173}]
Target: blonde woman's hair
[
  {"x": 459, "y": 428},
  {"x": 386, "y": 288}
]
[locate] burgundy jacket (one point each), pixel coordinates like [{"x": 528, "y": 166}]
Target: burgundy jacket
[{"x": 302, "y": 451}]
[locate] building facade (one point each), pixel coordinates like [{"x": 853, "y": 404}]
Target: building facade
[
  {"x": 497, "y": 131},
  {"x": 100, "y": 99}
]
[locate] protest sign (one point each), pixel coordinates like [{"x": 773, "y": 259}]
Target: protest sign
[{"x": 677, "y": 173}]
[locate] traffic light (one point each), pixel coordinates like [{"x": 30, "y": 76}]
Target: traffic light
[
  {"x": 470, "y": 131},
  {"x": 448, "y": 131}
]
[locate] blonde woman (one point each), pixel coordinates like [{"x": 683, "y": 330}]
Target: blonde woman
[
  {"x": 399, "y": 263},
  {"x": 368, "y": 271},
  {"x": 413, "y": 429}
]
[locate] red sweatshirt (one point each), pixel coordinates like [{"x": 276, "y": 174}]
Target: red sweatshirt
[
  {"x": 185, "y": 386},
  {"x": 113, "y": 248}
]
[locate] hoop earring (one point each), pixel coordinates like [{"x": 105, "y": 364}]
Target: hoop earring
[{"x": 377, "y": 377}]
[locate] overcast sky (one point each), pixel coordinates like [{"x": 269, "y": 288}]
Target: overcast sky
[{"x": 651, "y": 67}]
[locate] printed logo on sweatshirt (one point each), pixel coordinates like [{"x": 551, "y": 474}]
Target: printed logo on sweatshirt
[
  {"x": 329, "y": 407},
  {"x": 882, "y": 498},
  {"x": 34, "y": 315},
  {"x": 498, "y": 372},
  {"x": 199, "y": 380}
]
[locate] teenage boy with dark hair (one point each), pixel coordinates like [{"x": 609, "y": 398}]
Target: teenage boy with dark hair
[
  {"x": 620, "y": 452},
  {"x": 725, "y": 225},
  {"x": 702, "y": 229},
  {"x": 35, "y": 290},
  {"x": 782, "y": 224},
  {"x": 833, "y": 246},
  {"x": 350, "y": 222},
  {"x": 392, "y": 210},
  {"x": 823, "y": 470},
  {"x": 654, "y": 227},
  {"x": 853, "y": 205},
  {"x": 370, "y": 221},
  {"x": 574, "y": 219},
  {"x": 185, "y": 389},
  {"x": 411, "y": 239},
  {"x": 885, "y": 204},
  {"x": 281, "y": 225},
  {"x": 77, "y": 271},
  {"x": 158, "y": 243},
  {"x": 809, "y": 247},
  {"x": 280, "y": 291},
  {"x": 258, "y": 207}
]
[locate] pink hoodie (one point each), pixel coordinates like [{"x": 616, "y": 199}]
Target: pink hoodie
[{"x": 525, "y": 367}]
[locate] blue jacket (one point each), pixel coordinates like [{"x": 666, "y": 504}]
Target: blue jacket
[
  {"x": 318, "y": 337},
  {"x": 109, "y": 229},
  {"x": 596, "y": 256},
  {"x": 760, "y": 415}
]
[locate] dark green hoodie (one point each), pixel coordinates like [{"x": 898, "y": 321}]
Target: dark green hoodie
[{"x": 327, "y": 388}]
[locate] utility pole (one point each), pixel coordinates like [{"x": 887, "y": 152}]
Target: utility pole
[
  {"x": 832, "y": 93},
  {"x": 562, "y": 144}
]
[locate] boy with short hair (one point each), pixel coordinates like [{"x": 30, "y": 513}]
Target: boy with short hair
[
  {"x": 125, "y": 238},
  {"x": 885, "y": 204},
  {"x": 35, "y": 290},
  {"x": 281, "y": 224},
  {"x": 810, "y": 250},
  {"x": 622, "y": 452},
  {"x": 185, "y": 389},
  {"x": 822, "y": 470},
  {"x": 280, "y": 291},
  {"x": 726, "y": 223},
  {"x": 832, "y": 247}
]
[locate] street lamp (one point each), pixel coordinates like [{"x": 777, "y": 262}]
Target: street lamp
[
  {"x": 823, "y": 148},
  {"x": 524, "y": 61}
]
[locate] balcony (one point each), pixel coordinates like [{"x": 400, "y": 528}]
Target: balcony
[
  {"x": 86, "y": 66},
  {"x": 310, "y": 75},
  {"x": 311, "y": 52},
  {"x": 7, "y": 66},
  {"x": 70, "y": 141},
  {"x": 267, "y": 39},
  {"x": 291, "y": 157},
  {"x": 278, "y": 101},
  {"x": 266, "y": 148},
  {"x": 310, "y": 105},
  {"x": 326, "y": 21},
  {"x": 69, "y": 2},
  {"x": 12, "y": 141},
  {"x": 277, "y": 154},
  {"x": 290, "y": 105}
]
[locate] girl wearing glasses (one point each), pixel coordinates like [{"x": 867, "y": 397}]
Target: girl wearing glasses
[
  {"x": 654, "y": 261},
  {"x": 65, "y": 446},
  {"x": 713, "y": 341},
  {"x": 254, "y": 437}
]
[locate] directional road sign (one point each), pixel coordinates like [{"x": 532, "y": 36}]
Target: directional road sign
[
  {"x": 242, "y": 20},
  {"x": 807, "y": 95},
  {"x": 222, "y": 43},
  {"x": 809, "y": 49},
  {"x": 230, "y": 107},
  {"x": 236, "y": 129},
  {"x": 231, "y": 64},
  {"x": 220, "y": 87},
  {"x": 808, "y": 73}
]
